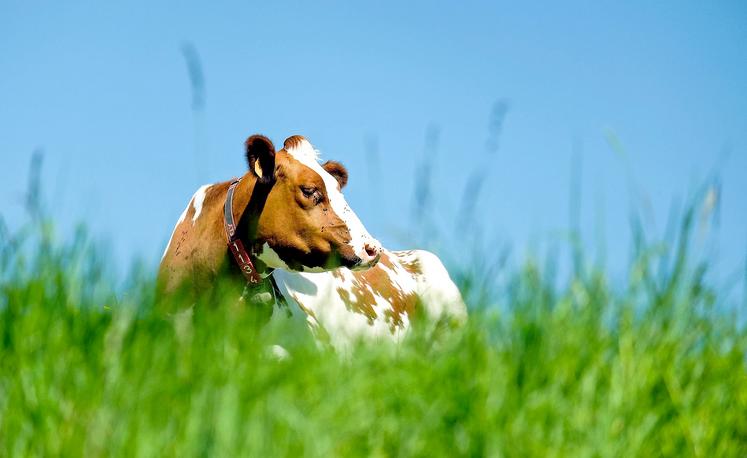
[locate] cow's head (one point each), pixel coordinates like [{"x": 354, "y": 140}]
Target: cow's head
[{"x": 305, "y": 223}]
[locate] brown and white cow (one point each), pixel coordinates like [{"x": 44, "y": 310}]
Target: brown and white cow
[{"x": 295, "y": 222}]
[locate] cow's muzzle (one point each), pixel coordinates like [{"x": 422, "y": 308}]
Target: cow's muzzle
[{"x": 369, "y": 256}]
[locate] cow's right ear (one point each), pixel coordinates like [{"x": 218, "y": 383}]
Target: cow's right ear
[{"x": 260, "y": 156}]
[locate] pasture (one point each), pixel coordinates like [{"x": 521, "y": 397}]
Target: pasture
[{"x": 577, "y": 367}]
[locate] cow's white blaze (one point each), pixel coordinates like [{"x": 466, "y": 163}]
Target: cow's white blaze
[{"x": 308, "y": 156}]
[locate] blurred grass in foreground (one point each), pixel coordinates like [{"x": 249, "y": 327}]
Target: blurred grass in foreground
[{"x": 579, "y": 370}]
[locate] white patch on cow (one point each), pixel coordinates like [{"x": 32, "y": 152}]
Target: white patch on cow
[
  {"x": 308, "y": 156},
  {"x": 181, "y": 219},
  {"x": 438, "y": 293},
  {"x": 305, "y": 153},
  {"x": 198, "y": 200}
]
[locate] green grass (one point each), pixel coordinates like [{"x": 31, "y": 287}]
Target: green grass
[{"x": 653, "y": 367}]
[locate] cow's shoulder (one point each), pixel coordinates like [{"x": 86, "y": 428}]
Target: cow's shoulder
[{"x": 197, "y": 240}]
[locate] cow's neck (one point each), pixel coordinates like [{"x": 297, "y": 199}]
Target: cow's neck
[{"x": 249, "y": 202}]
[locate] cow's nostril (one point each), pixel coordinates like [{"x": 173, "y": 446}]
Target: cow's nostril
[{"x": 371, "y": 250}]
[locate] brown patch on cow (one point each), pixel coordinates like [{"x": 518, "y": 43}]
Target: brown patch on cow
[
  {"x": 410, "y": 262},
  {"x": 374, "y": 282},
  {"x": 402, "y": 304},
  {"x": 362, "y": 299}
]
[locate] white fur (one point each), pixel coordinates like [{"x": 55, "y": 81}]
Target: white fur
[
  {"x": 197, "y": 200},
  {"x": 438, "y": 293},
  {"x": 308, "y": 156}
]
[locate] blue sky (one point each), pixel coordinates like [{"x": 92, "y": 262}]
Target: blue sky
[{"x": 103, "y": 89}]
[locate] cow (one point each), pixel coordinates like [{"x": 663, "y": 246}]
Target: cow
[{"x": 285, "y": 230}]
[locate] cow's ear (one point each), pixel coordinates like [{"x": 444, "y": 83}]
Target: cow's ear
[
  {"x": 338, "y": 171},
  {"x": 260, "y": 155}
]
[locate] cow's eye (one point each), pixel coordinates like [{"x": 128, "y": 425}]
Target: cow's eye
[
  {"x": 311, "y": 192},
  {"x": 308, "y": 191}
]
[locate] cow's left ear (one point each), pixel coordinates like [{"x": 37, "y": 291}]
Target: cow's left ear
[
  {"x": 338, "y": 171},
  {"x": 260, "y": 155}
]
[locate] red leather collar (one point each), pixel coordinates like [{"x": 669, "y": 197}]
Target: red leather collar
[{"x": 242, "y": 257}]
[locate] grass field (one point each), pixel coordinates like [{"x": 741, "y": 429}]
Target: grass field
[{"x": 653, "y": 368}]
